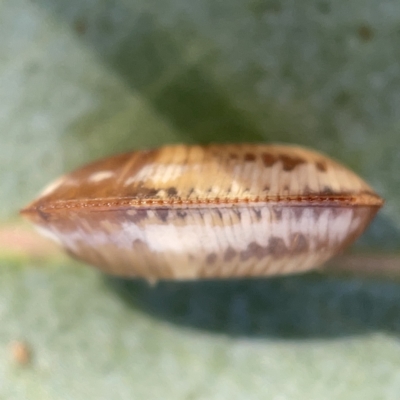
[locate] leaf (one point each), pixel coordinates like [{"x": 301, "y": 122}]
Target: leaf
[
  {"x": 81, "y": 79},
  {"x": 296, "y": 337}
]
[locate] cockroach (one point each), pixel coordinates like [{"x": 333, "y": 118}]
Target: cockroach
[{"x": 216, "y": 211}]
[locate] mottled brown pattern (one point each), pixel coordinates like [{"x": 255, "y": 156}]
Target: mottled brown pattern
[
  {"x": 188, "y": 212},
  {"x": 277, "y": 211},
  {"x": 136, "y": 216},
  {"x": 299, "y": 244},
  {"x": 238, "y": 213},
  {"x": 268, "y": 159},
  {"x": 233, "y": 156},
  {"x": 257, "y": 213},
  {"x": 249, "y": 157},
  {"x": 276, "y": 247},
  {"x": 172, "y": 192},
  {"x": 255, "y": 250},
  {"x": 298, "y": 212},
  {"x": 317, "y": 211},
  {"x": 211, "y": 258},
  {"x": 290, "y": 163},
  {"x": 230, "y": 254},
  {"x": 309, "y": 192},
  {"x": 146, "y": 193},
  {"x": 256, "y": 173},
  {"x": 327, "y": 191},
  {"x": 162, "y": 213},
  {"x": 321, "y": 166},
  {"x": 219, "y": 213},
  {"x": 181, "y": 214}
]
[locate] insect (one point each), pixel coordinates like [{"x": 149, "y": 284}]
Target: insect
[{"x": 215, "y": 211}]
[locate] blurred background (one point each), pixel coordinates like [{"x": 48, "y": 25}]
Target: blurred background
[{"x": 90, "y": 78}]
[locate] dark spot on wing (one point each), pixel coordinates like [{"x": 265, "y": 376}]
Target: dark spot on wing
[
  {"x": 307, "y": 191},
  {"x": 290, "y": 163},
  {"x": 277, "y": 213},
  {"x": 211, "y": 258},
  {"x": 254, "y": 250},
  {"x": 230, "y": 254},
  {"x": 277, "y": 247},
  {"x": 299, "y": 244},
  {"x": 321, "y": 166},
  {"x": 249, "y": 157},
  {"x": 137, "y": 216},
  {"x": 218, "y": 213},
  {"x": 317, "y": 211},
  {"x": 298, "y": 212},
  {"x": 171, "y": 191},
  {"x": 257, "y": 213},
  {"x": 238, "y": 213},
  {"x": 138, "y": 242},
  {"x": 145, "y": 193},
  {"x": 162, "y": 213},
  {"x": 268, "y": 159},
  {"x": 327, "y": 190},
  {"x": 181, "y": 214}
]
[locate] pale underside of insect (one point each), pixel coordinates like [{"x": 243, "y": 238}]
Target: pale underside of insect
[{"x": 216, "y": 211}]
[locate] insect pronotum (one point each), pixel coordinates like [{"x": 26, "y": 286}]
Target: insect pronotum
[{"x": 217, "y": 211}]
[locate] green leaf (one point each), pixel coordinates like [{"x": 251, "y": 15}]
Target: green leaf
[
  {"x": 93, "y": 337},
  {"x": 84, "y": 79}
]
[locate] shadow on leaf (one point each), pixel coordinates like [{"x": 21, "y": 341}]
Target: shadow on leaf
[{"x": 302, "y": 307}]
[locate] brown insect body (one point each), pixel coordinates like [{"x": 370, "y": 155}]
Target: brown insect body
[{"x": 187, "y": 212}]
